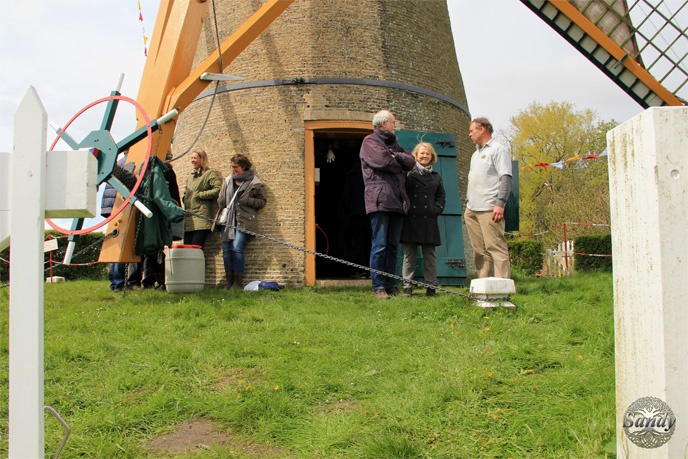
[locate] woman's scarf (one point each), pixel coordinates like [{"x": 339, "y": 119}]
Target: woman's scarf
[
  {"x": 423, "y": 170},
  {"x": 231, "y": 204}
]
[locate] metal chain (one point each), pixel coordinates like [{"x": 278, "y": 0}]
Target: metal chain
[
  {"x": 338, "y": 260},
  {"x": 99, "y": 241},
  {"x": 305, "y": 250}
]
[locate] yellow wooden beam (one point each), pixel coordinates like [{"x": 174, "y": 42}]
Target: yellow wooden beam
[
  {"x": 173, "y": 45},
  {"x": 309, "y": 194},
  {"x": 615, "y": 50},
  {"x": 192, "y": 86},
  {"x": 363, "y": 127},
  {"x": 169, "y": 82}
]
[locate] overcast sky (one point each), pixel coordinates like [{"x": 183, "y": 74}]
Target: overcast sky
[{"x": 73, "y": 51}]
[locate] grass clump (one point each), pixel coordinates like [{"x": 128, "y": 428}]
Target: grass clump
[{"x": 328, "y": 373}]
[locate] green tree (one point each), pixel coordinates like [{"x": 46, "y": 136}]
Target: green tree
[{"x": 580, "y": 192}]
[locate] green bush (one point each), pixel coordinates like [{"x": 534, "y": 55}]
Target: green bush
[
  {"x": 595, "y": 244},
  {"x": 86, "y": 270},
  {"x": 527, "y": 255}
]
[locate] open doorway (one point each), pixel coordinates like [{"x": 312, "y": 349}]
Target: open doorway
[{"x": 342, "y": 228}]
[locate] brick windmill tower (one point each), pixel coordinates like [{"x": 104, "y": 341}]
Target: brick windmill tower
[{"x": 311, "y": 85}]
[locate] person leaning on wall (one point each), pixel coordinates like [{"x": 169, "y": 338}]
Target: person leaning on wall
[
  {"x": 425, "y": 190},
  {"x": 202, "y": 189},
  {"x": 241, "y": 196}
]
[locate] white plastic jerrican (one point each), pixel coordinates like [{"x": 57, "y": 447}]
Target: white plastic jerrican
[{"x": 184, "y": 269}]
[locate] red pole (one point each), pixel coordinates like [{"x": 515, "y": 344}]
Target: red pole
[
  {"x": 566, "y": 251},
  {"x": 50, "y": 261}
]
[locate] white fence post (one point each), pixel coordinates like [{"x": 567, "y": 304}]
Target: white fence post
[{"x": 648, "y": 179}]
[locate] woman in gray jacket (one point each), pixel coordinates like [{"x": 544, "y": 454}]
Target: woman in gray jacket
[{"x": 241, "y": 196}]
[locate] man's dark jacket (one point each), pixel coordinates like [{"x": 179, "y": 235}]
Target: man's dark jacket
[{"x": 383, "y": 162}]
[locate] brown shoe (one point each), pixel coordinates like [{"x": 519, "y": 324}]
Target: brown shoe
[{"x": 380, "y": 294}]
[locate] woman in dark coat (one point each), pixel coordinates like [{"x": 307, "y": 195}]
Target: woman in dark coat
[{"x": 426, "y": 192}]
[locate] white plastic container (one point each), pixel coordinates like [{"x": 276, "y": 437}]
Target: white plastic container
[{"x": 184, "y": 269}]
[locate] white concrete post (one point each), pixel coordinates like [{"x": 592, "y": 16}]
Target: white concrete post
[
  {"x": 26, "y": 426},
  {"x": 5, "y": 204},
  {"x": 28, "y": 198},
  {"x": 648, "y": 183}
]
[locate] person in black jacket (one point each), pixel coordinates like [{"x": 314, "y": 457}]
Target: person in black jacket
[
  {"x": 426, "y": 193},
  {"x": 117, "y": 273},
  {"x": 154, "y": 263}
]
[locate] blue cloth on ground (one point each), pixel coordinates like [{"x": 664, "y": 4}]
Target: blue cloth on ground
[{"x": 254, "y": 286}]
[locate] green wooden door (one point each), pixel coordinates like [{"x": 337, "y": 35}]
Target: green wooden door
[
  {"x": 451, "y": 262},
  {"x": 511, "y": 215}
]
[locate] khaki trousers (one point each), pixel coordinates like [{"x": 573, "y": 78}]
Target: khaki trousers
[
  {"x": 490, "y": 251},
  {"x": 429, "y": 263}
]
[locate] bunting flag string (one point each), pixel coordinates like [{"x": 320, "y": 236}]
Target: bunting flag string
[
  {"x": 143, "y": 31},
  {"x": 586, "y": 224},
  {"x": 557, "y": 227},
  {"x": 560, "y": 164}
]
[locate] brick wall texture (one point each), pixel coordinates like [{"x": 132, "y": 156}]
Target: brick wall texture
[{"x": 401, "y": 41}]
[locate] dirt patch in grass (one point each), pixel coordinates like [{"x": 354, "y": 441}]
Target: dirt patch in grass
[
  {"x": 238, "y": 379},
  {"x": 200, "y": 433},
  {"x": 341, "y": 406},
  {"x": 190, "y": 436}
]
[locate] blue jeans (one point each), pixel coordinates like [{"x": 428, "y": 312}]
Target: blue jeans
[
  {"x": 233, "y": 252},
  {"x": 116, "y": 275},
  {"x": 386, "y": 227}
]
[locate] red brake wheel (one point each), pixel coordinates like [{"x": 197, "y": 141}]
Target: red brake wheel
[{"x": 119, "y": 209}]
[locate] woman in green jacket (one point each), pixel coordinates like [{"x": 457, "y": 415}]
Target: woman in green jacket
[{"x": 202, "y": 188}]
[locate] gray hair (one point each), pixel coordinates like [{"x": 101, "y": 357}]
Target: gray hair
[
  {"x": 380, "y": 117},
  {"x": 484, "y": 123}
]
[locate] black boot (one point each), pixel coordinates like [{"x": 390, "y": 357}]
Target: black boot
[
  {"x": 230, "y": 279},
  {"x": 430, "y": 292},
  {"x": 238, "y": 280}
]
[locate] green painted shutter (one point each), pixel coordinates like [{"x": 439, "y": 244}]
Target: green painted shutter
[
  {"x": 511, "y": 215},
  {"x": 451, "y": 262}
]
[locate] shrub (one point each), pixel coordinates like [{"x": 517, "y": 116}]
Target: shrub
[
  {"x": 595, "y": 244},
  {"x": 527, "y": 255},
  {"x": 95, "y": 271}
]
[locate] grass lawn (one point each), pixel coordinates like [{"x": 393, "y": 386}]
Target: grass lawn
[{"x": 327, "y": 373}]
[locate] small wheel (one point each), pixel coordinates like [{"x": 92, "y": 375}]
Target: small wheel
[{"x": 119, "y": 209}]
